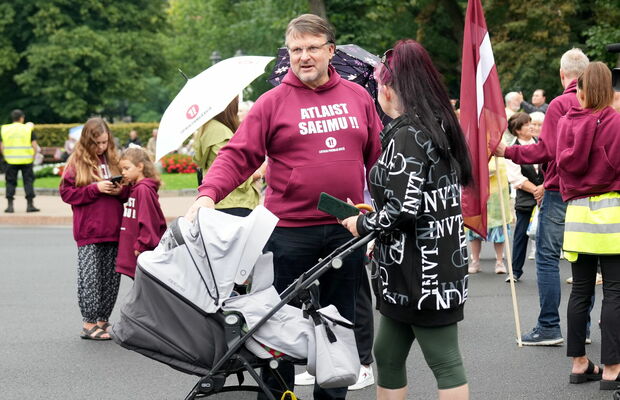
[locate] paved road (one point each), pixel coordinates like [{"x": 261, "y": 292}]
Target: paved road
[{"x": 42, "y": 357}]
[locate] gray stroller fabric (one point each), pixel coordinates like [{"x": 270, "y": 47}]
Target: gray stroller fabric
[
  {"x": 287, "y": 331},
  {"x": 219, "y": 250},
  {"x": 162, "y": 326},
  {"x": 173, "y": 313}
]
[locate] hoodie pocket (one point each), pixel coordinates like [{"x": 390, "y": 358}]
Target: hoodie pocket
[{"x": 340, "y": 179}]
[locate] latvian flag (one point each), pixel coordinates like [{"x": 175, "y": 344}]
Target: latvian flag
[{"x": 482, "y": 113}]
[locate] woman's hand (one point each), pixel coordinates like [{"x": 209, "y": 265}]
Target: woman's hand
[
  {"x": 203, "y": 201},
  {"x": 351, "y": 225},
  {"x": 108, "y": 187}
]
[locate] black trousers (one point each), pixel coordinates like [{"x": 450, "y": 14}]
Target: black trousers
[
  {"x": 584, "y": 279},
  {"x": 364, "y": 321},
  {"x": 296, "y": 250},
  {"x": 11, "y": 180}
]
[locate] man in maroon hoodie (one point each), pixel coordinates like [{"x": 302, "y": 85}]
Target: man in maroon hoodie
[
  {"x": 320, "y": 133},
  {"x": 550, "y": 233}
]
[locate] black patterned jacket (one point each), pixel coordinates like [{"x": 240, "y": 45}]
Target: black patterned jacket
[{"x": 421, "y": 253}]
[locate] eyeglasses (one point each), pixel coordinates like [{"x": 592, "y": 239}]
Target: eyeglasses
[
  {"x": 384, "y": 60},
  {"x": 314, "y": 49}
]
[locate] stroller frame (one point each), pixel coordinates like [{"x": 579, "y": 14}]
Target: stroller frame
[{"x": 214, "y": 382}]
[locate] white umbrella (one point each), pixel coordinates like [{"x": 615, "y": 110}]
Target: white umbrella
[{"x": 203, "y": 97}]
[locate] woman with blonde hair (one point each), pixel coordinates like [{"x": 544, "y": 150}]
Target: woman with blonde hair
[{"x": 97, "y": 205}]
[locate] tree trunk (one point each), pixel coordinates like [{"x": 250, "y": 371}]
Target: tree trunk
[{"x": 317, "y": 7}]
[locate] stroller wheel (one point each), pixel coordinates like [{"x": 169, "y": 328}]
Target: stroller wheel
[{"x": 617, "y": 395}]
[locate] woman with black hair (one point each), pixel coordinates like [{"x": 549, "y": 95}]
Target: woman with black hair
[{"x": 421, "y": 252}]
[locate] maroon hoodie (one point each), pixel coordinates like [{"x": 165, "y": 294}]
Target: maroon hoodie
[
  {"x": 544, "y": 150},
  {"x": 317, "y": 141},
  {"x": 96, "y": 216},
  {"x": 588, "y": 152},
  {"x": 142, "y": 227}
]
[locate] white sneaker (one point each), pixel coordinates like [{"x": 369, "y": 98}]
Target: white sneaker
[
  {"x": 532, "y": 255},
  {"x": 365, "y": 379},
  {"x": 304, "y": 379}
]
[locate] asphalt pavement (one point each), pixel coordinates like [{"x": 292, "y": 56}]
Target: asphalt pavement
[{"x": 42, "y": 356}]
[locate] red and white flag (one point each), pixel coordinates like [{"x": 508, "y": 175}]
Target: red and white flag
[{"x": 482, "y": 113}]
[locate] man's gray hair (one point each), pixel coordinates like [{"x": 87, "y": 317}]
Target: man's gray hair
[
  {"x": 573, "y": 63},
  {"x": 510, "y": 96},
  {"x": 310, "y": 24}
]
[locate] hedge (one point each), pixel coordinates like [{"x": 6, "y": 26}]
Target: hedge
[{"x": 49, "y": 135}]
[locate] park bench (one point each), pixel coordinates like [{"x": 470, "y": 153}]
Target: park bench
[{"x": 51, "y": 154}]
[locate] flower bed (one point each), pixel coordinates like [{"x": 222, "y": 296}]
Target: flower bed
[
  {"x": 178, "y": 164},
  {"x": 42, "y": 171}
]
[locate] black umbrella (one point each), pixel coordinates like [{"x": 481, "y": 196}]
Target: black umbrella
[{"x": 350, "y": 61}]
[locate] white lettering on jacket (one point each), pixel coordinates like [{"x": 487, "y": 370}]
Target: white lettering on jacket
[
  {"x": 326, "y": 119},
  {"x": 130, "y": 210}
]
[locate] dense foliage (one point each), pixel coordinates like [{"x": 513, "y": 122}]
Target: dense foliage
[{"x": 63, "y": 61}]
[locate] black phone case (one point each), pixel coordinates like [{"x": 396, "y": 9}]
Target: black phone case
[
  {"x": 336, "y": 207},
  {"x": 116, "y": 179}
]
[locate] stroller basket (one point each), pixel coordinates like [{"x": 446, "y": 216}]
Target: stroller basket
[{"x": 159, "y": 322}]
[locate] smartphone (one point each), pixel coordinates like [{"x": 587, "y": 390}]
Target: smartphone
[
  {"x": 336, "y": 207},
  {"x": 116, "y": 179}
]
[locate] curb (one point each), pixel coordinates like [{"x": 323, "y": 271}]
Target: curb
[
  {"x": 34, "y": 220},
  {"x": 54, "y": 192}
]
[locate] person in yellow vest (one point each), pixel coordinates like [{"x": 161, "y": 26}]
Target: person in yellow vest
[{"x": 18, "y": 145}]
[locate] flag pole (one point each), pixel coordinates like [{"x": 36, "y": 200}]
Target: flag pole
[{"x": 513, "y": 290}]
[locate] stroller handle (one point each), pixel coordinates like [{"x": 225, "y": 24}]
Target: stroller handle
[{"x": 307, "y": 278}]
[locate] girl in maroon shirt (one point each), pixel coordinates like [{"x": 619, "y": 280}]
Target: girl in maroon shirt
[
  {"x": 97, "y": 206},
  {"x": 143, "y": 221}
]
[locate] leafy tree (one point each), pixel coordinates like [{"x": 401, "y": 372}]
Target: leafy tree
[{"x": 75, "y": 59}]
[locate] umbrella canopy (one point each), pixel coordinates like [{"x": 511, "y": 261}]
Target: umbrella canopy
[
  {"x": 350, "y": 61},
  {"x": 203, "y": 97}
]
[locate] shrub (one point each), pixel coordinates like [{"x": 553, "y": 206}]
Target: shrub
[
  {"x": 178, "y": 163},
  {"x": 49, "y": 135}
]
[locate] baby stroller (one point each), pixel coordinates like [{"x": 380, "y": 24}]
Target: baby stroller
[{"x": 183, "y": 309}]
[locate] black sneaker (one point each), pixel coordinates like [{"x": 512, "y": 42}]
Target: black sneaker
[{"x": 539, "y": 337}]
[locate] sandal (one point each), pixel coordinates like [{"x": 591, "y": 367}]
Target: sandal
[
  {"x": 105, "y": 326},
  {"x": 94, "y": 333},
  {"x": 610, "y": 385},
  {"x": 588, "y": 375}
]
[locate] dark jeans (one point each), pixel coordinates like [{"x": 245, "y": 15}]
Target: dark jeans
[
  {"x": 520, "y": 240},
  {"x": 364, "y": 321},
  {"x": 584, "y": 278},
  {"x": 11, "y": 180},
  {"x": 296, "y": 250},
  {"x": 549, "y": 239}
]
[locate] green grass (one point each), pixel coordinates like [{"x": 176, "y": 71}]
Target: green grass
[{"x": 170, "y": 182}]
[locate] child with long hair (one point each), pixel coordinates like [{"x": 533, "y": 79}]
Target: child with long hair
[
  {"x": 97, "y": 206},
  {"x": 143, "y": 221}
]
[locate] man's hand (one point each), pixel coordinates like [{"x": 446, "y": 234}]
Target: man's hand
[
  {"x": 538, "y": 193},
  {"x": 351, "y": 225},
  {"x": 203, "y": 201},
  {"x": 501, "y": 148}
]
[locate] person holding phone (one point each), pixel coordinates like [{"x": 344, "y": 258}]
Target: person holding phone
[
  {"x": 97, "y": 205},
  {"x": 421, "y": 249}
]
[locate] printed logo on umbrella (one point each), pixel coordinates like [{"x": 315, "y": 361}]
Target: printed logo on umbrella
[{"x": 192, "y": 111}]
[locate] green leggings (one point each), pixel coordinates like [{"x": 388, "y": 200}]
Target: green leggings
[{"x": 439, "y": 345}]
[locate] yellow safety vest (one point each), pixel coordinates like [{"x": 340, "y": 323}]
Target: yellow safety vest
[
  {"x": 592, "y": 226},
  {"x": 17, "y": 143}
]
